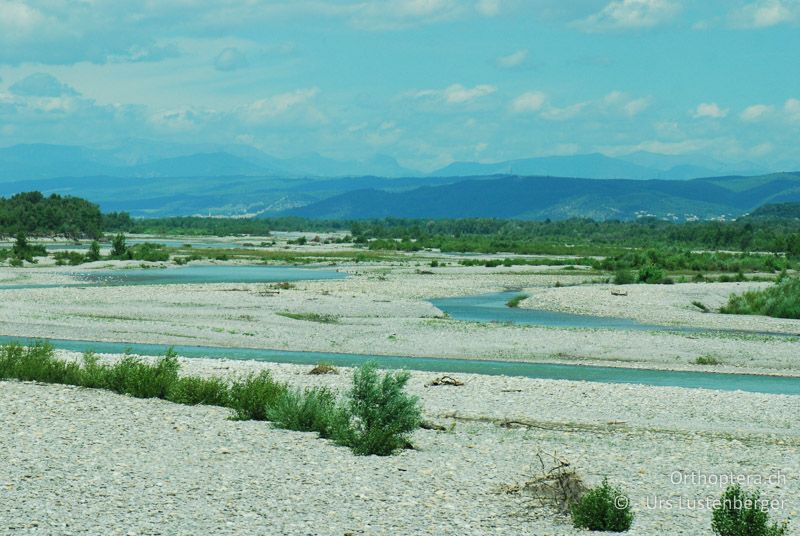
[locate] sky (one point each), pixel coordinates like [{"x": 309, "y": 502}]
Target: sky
[{"x": 426, "y": 81}]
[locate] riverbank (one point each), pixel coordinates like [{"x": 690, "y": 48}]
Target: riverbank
[
  {"x": 91, "y": 461},
  {"x": 382, "y": 309}
]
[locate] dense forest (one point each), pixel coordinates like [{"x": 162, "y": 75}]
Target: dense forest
[
  {"x": 34, "y": 214},
  {"x": 778, "y": 210}
]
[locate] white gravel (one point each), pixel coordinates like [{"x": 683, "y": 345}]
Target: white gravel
[{"x": 80, "y": 461}]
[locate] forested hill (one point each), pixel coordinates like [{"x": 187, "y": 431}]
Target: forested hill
[
  {"x": 36, "y": 215},
  {"x": 784, "y": 211}
]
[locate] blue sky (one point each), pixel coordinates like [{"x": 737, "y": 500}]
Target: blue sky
[{"x": 426, "y": 81}]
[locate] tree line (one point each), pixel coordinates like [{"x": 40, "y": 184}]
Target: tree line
[{"x": 34, "y": 214}]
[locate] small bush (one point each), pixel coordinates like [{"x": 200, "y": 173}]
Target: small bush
[
  {"x": 309, "y": 410},
  {"x": 310, "y": 317},
  {"x": 250, "y": 397},
  {"x": 707, "y": 360},
  {"x": 516, "y": 300},
  {"x": 603, "y": 508},
  {"x": 701, "y": 306},
  {"x": 781, "y": 300},
  {"x": 379, "y": 415},
  {"x": 194, "y": 391},
  {"x": 135, "y": 377},
  {"x": 36, "y": 363},
  {"x": 742, "y": 513},
  {"x": 624, "y": 277},
  {"x": 651, "y": 274}
]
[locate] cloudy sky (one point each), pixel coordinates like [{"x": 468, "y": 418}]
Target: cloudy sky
[{"x": 427, "y": 81}]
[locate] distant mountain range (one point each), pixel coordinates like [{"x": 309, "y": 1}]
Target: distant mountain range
[
  {"x": 538, "y": 198},
  {"x": 148, "y": 179},
  {"x": 141, "y": 158},
  {"x": 42, "y": 161}
]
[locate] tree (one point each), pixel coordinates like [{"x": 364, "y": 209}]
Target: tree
[
  {"x": 118, "y": 247},
  {"x": 20, "y": 248},
  {"x": 94, "y": 252}
]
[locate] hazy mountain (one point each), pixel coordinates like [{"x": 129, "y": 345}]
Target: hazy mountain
[
  {"x": 557, "y": 198},
  {"x": 640, "y": 165},
  {"x": 590, "y": 166}
]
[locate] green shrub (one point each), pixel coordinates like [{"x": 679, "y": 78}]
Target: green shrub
[
  {"x": 742, "y": 513},
  {"x": 73, "y": 258},
  {"x": 309, "y": 410},
  {"x": 249, "y": 398},
  {"x": 651, "y": 274},
  {"x": 94, "y": 251},
  {"x": 623, "y": 277},
  {"x": 378, "y": 415},
  {"x": 700, "y": 305},
  {"x": 193, "y": 391},
  {"x": 133, "y": 376},
  {"x": 516, "y": 300},
  {"x": 781, "y": 300},
  {"x": 707, "y": 360},
  {"x": 119, "y": 249},
  {"x": 36, "y": 363},
  {"x": 603, "y": 508},
  {"x": 310, "y": 317}
]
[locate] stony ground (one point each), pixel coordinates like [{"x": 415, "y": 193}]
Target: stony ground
[
  {"x": 383, "y": 310},
  {"x": 78, "y": 461}
]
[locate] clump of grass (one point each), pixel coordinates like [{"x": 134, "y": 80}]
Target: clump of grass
[
  {"x": 283, "y": 285},
  {"x": 310, "y": 410},
  {"x": 781, "y": 300},
  {"x": 132, "y": 376},
  {"x": 323, "y": 368},
  {"x": 37, "y": 363},
  {"x": 516, "y": 300},
  {"x": 194, "y": 391},
  {"x": 603, "y": 508},
  {"x": 310, "y": 317},
  {"x": 742, "y": 513},
  {"x": 250, "y": 397},
  {"x": 707, "y": 360},
  {"x": 700, "y": 305},
  {"x": 378, "y": 416}
]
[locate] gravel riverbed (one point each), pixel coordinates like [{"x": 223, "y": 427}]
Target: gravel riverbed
[{"x": 79, "y": 461}]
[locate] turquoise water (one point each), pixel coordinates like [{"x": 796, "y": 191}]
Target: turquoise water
[
  {"x": 493, "y": 308},
  {"x": 704, "y": 380},
  {"x": 195, "y": 274}
]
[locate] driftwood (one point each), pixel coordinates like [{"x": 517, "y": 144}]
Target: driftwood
[
  {"x": 323, "y": 368},
  {"x": 617, "y": 292},
  {"x": 555, "y": 484},
  {"x": 445, "y": 380}
]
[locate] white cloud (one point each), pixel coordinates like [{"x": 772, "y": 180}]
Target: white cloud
[
  {"x": 277, "y": 105},
  {"x": 17, "y": 18},
  {"x": 709, "y": 109},
  {"x": 618, "y": 100},
  {"x": 631, "y": 14},
  {"x": 766, "y": 13},
  {"x": 515, "y": 59},
  {"x": 457, "y": 93},
  {"x": 553, "y": 113},
  {"x": 792, "y": 109},
  {"x": 532, "y": 101},
  {"x": 488, "y": 8},
  {"x": 755, "y": 112}
]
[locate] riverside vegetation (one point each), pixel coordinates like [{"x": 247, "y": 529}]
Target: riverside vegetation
[{"x": 375, "y": 416}]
